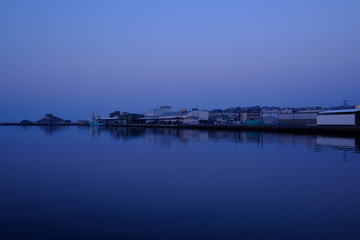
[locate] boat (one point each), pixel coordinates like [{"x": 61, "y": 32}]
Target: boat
[{"x": 93, "y": 121}]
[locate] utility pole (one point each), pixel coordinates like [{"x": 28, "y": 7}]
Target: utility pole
[{"x": 345, "y": 104}]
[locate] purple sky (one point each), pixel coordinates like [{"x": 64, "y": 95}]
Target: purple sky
[{"x": 72, "y": 58}]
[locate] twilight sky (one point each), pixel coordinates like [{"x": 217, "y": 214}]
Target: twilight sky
[{"x": 72, "y": 58}]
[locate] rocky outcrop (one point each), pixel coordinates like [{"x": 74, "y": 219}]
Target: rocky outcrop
[
  {"x": 26, "y": 122},
  {"x": 51, "y": 119}
]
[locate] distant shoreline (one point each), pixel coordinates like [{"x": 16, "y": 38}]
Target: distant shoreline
[
  {"x": 323, "y": 130},
  {"x": 43, "y": 124}
]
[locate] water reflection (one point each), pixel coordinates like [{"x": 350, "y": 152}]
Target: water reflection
[
  {"x": 168, "y": 136},
  {"x": 48, "y": 129},
  {"x": 337, "y": 143},
  {"x": 152, "y": 183}
]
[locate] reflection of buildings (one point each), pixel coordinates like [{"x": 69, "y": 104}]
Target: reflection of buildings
[
  {"x": 338, "y": 144},
  {"x": 51, "y": 129},
  {"x": 169, "y": 136},
  {"x": 345, "y": 144},
  {"x": 125, "y": 133},
  {"x": 165, "y": 136}
]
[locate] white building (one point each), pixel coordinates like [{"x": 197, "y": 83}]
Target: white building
[
  {"x": 159, "y": 111},
  {"x": 252, "y": 116},
  {"x": 269, "y": 111},
  {"x": 191, "y": 120},
  {"x": 286, "y": 111},
  {"x": 346, "y": 117},
  {"x": 183, "y": 116},
  {"x": 199, "y": 114}
]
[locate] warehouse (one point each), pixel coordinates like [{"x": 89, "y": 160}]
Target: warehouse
[{"x": 346, "y": 117}]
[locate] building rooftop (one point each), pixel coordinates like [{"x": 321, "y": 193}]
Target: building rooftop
[
  {"x": 173, "y": 113},
  {"x": 341, "y": 111}
]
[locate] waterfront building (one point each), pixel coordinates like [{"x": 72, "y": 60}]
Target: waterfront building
[
  {"x": 130, "y": 118},
  {"x": 220, "y": 120},
  {"x": 345, "y": 117},
  {"x": 301, "y": 117},
  {"x": 158, "y": 111},
  {"x": 182, "y": 116},
  {"x": 201, "y": 115},
  {"x": 270, "y": 111},
  {"x": 243, "y": 116},
  {"x": 271, "y": 119},
  {"x": 286, "y": 111},
  {"x": 252, "y": 115},
  {"x": 182, "y": 110},
  {"x": 191, "y": 120},
  {"x": 218, "y": 117},
  {"x": 114, "y": 114},
  {"x": 187, "y": 117}
]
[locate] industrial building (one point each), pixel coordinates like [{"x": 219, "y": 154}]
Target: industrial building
[
  {"x": 182, "y": 116},
  {"x": 158, "y": 111},
  {"x": 346, "y": 117},
  {"x": 271, "y": 119},
  {"x": 301, "y": 117},
  {"x": 270, "y": 112}
]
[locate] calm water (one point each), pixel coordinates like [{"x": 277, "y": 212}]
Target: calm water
[{"x": 91, "y": 183}]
